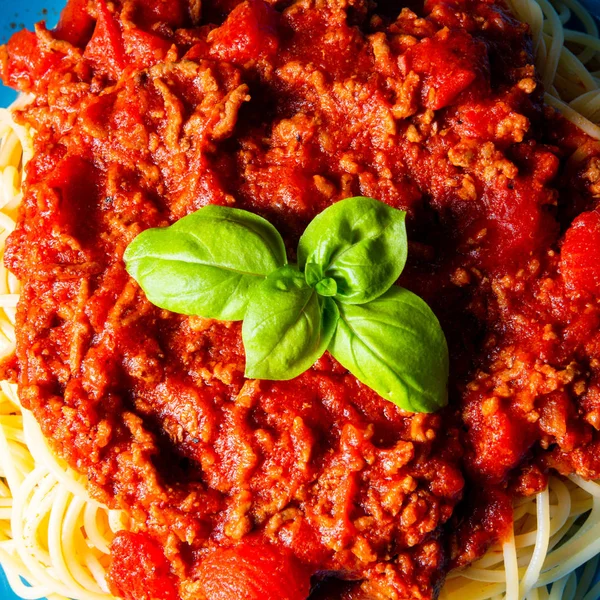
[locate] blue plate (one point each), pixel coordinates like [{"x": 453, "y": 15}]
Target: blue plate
[
  {"x": 593, "y": 6},
  {"x": 15, "y": 15}
]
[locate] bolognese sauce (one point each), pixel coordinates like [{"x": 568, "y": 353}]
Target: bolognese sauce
[{"x": 144, "y": 111}]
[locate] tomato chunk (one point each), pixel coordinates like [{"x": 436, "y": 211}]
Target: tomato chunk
[
  {"x": 75, "y": 25},
  {"x": 26, "y": 63},
  {"x": 105, "y": 50},
  {"x": 250, "y": 31},
  {"x": 448, "y": 63},
  {"x": 139, "y": 569},
  {"x": 580, "y": 258},
  {"x": 253, "y": 571},
  {"x": 170, "y": 12}
]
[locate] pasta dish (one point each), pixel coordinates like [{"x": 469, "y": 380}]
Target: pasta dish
[{"x": 422, "y": 179}]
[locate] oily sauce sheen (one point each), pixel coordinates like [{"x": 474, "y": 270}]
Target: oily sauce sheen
[{"x": 147, "y": 110}]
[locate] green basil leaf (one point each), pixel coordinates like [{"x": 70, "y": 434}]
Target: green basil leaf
[
  {"x": 395, "y": 345},
  {"x": 207, "y": 263},
  {"x": 359, "y": 242},
  {"x": 287, "y": 326},
  {"x": 326, "y": 287},
  {"x": 313, "y": 274}
]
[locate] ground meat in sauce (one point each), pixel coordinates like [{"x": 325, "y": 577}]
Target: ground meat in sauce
[{"x": 147, "y": 110}]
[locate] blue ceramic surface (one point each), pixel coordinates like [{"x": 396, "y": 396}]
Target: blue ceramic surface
[
  {"x": 593, "y": 6},
  {"x": 16, "y": 14}
]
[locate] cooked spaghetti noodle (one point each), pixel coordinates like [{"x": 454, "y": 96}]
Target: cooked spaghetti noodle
[{"x": 56, "y": 538}]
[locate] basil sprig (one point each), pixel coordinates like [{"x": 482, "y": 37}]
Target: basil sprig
[{"x": 229, "y": 264}]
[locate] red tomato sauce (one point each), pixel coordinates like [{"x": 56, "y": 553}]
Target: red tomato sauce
[{"x": 145, "y": 111}]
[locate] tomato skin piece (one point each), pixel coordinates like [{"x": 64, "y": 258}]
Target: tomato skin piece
[
  {"x": 253, "y": 571},
  {"x": 105, "y": 50},
  {"x": 198, "y": 51},
  {"x": 139, "y": 569},
  {"x": 580, "y": 254},
  {"x": 249, "y": 32},
  {"x": 450, "y": 63},
  {"x": 75, "y": 25}
]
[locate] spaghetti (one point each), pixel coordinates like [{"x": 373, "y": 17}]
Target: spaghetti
[
  {"x": 571, "y": 87},
  {"x": 56, "y": 538}
]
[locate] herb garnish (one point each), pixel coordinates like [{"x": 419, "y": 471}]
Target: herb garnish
[{"x": 230, "y": 264}]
